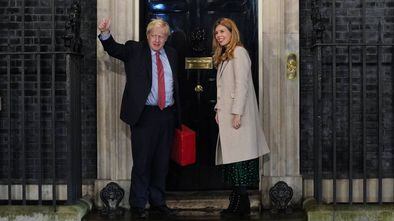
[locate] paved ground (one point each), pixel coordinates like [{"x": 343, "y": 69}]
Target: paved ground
[{"x": 266, "y": 216}]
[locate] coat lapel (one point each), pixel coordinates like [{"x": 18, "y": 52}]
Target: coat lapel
[
  {"x": 171, "y": 58},
  {"x": 221, "y": 67},
  {"x": 148, "y": 62}
]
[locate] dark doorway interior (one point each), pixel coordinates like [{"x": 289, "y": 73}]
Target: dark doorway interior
[{"x": 191, "y": 22}]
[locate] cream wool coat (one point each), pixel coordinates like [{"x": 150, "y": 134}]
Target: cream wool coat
[{"x": 236, "y": 95}]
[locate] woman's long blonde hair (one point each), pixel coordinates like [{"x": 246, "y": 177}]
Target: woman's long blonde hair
[{"x": 223, "y": 53}]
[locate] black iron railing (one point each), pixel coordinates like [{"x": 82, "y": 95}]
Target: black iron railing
[
  {"x": 36, "y": 108},
  {"x": 327, "y": 93},
  {"x": 72, "y": 127}
]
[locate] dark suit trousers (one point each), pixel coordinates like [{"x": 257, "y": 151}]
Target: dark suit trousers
[{"x": 151, "y": 140}]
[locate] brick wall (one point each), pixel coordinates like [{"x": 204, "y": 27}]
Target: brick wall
[
  {"x": 348, "y": 11},
  {"x": 38, "y": 37}
]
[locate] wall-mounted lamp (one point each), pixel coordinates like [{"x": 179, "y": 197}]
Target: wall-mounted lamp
[{"x": 291, "y": 66}]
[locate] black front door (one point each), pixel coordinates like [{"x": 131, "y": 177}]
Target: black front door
[{"x": 191, "y": 24}]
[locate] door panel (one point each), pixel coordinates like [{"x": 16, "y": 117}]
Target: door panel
[{"x": 191, "y": 24}]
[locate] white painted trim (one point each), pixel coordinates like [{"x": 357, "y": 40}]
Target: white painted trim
[
  {"x": 260, "y": 73},
  {"x": 32, "y": 191},
  {"x": 342, "y": 189}
]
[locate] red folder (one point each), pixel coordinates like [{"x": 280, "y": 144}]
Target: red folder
[{"x": 184, "y": 148}]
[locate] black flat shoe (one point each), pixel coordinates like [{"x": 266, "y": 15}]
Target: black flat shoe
[
  {"x": 138, "y": 212},
  {"x": 162, "y": 211}
]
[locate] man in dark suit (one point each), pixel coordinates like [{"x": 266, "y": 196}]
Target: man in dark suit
[{"x": 150, "y": 105}]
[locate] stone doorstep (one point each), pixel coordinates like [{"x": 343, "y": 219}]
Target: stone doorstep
[
  {"x": 45, "y": 213},
  {"x": 346, "y": 212},
  {"x": 207, "y": 203}
]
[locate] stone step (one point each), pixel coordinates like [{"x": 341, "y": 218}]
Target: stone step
[
  {"x": 345, "y": 212},
  {"x": 73, "y": 212},
  {"x": 298, "y": 215},
  {"x": 207, "y": 203}
]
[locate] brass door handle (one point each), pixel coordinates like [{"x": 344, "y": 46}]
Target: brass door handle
[{"x": 198, "y": 88}]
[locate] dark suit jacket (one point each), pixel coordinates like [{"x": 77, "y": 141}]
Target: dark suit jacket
[{"x": 138, "y": 66}]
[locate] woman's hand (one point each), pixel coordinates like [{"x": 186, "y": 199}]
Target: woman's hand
[
  {"x": 104, "y": 25},
  {"x": 236, "y": 121}
]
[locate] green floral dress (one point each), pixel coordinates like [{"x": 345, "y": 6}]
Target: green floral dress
[{"x": 244, "y": 173}]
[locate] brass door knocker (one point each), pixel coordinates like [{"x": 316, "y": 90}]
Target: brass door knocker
[{"x": 291, "y": 66}]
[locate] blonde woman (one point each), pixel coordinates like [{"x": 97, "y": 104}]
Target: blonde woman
[{"x": 241, "y": 140}]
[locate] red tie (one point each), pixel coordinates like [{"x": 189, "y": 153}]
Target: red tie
[{"x": 160, "y": 83}]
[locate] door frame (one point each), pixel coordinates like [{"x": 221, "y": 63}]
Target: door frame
[{"x": 278, "y": 25}]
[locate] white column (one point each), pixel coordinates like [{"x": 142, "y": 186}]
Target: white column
[
  {"x": 114, "y": 160},
  {"x": 279, "y": 97}
]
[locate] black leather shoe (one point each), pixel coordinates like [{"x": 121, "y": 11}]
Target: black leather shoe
[
  {"x": 162, "y": 211},
  {"x": 138, "y": 212}
]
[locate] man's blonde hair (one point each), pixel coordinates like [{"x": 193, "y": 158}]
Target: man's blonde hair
[{"x": 158, "y": 22}]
